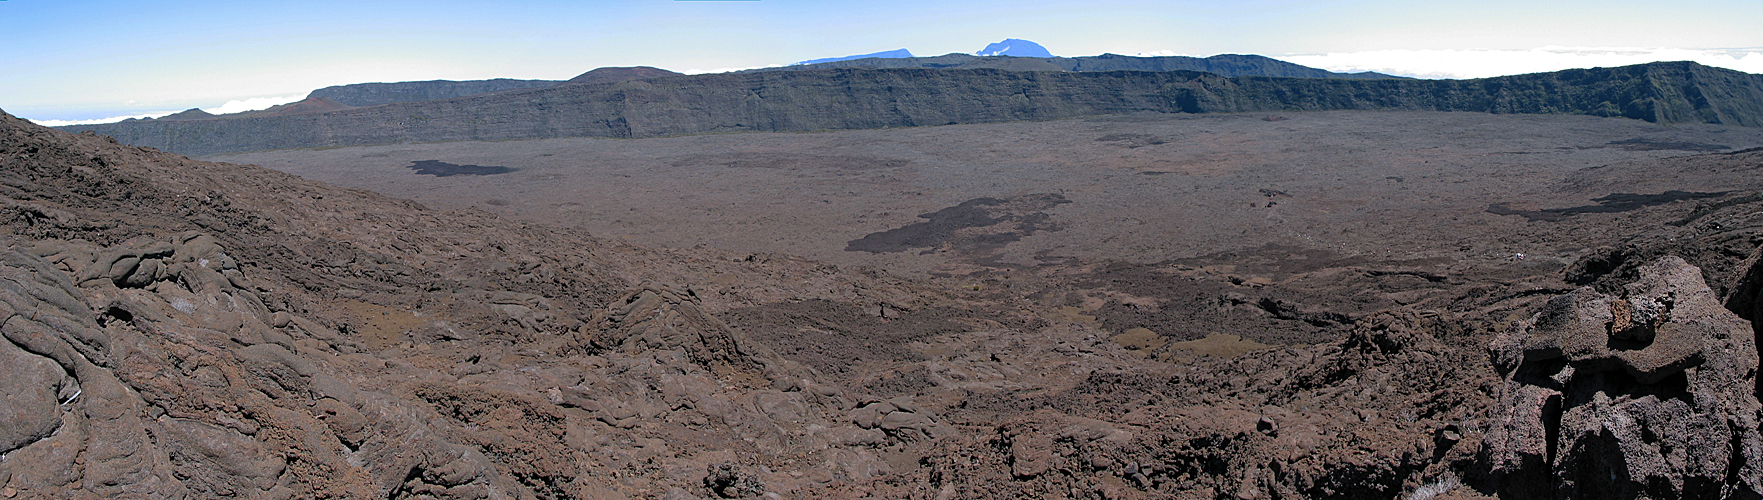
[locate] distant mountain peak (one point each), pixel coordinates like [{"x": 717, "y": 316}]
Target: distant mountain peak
[
  {"x": 1014, "y": 47},
  {"x": 188, "y": 114},
  {"x": 889, "y": 54},
  {"x": 619, "y": 74}
]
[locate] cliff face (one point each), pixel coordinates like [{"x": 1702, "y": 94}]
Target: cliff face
[
  {"x": 1673, "y": 92},
  {"x": 374, "y": 94},
  {"x": 861, "y": 99}
]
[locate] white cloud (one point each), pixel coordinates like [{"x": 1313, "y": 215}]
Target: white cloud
[
  {"x": 1158, "y": 53},
  {"x": 252, "y": 104},
  {"x": 1487, "y": 63},
  {"x": 95, "y": 121}
]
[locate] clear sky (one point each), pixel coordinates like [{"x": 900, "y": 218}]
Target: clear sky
[{"x": 86, "y": 59}]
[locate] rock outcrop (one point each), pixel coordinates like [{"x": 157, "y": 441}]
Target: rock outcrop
[{"x": 1647, "y": 393}]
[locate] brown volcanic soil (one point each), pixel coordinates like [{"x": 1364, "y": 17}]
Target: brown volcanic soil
[{"x": 185, "y": 329}]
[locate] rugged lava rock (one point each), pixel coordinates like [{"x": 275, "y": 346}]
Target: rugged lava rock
[{"x": 1650, "y": 392}]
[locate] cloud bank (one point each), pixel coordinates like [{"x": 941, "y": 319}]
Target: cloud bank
[
  {"x": 232, "y": 106},
  {"x": 1488, "y": 63},
  {"x": 253, "y": 104},
  {"x": 95, "y": 121}
]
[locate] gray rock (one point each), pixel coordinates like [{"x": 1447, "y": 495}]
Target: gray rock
[
  {"x": 28, "y": 407},
  {"x": 733, "y": 481},
  {"x": 659, "y": 317},
  {"x": 1650, "y": 393}
]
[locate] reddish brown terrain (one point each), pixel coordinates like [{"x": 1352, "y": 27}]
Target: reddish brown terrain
[{"x": 1308, "y": 305}]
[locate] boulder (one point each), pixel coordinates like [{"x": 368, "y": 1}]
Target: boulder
[
  {"x": 1647, "y": 393},
  {"x": 661, "y": 317}
]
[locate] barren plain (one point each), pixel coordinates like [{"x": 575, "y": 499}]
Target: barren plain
[
  {"x": 1108, "y": 207},
  {"x": 1135, "y": 188}
]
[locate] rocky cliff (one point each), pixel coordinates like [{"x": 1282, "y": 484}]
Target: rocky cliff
[{"x": 861, "y": 99}]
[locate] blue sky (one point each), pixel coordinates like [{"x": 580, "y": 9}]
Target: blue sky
[{"x": 75, "y": 59}]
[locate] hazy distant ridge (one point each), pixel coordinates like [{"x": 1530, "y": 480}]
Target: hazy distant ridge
[
  {"x": 1224, "y": 64},
  {"x": 1678, "y": 92},
  {"x": 886, "y": 54},
  {"x": 374, "y": 94}
]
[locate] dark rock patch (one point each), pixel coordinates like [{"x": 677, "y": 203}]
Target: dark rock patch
[
  {"x": 1645, "y": 144},
  {"x": 1613, "y": 203},
  {"x": 838, "y": 338},
  {"x": 1010, "y": 219},
  {"x": 439, "y": 168},
  {"x": 786, "y": 161},
  {"x": 1133, "y": 140}
]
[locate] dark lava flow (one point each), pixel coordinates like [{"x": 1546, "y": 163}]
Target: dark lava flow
[
  {"x": 1645, "y": 144},
  {"x": 1024, "y": 211},
  {"x": 439, "y": 168},
  {"x": 1615, "y": 202}
]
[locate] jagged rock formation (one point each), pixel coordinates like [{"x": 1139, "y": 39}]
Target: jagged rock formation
[
  {"x": 861, "y": 99},
  {"x": 1649, "y": 393},
  {"x": 375, "y": 94},
  {"x": 1379, "y": 414}
]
